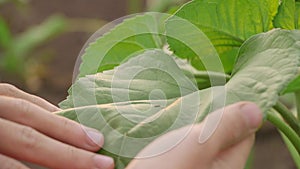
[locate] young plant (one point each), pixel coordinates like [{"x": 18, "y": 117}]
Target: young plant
[{"x": 134, "y": 90}]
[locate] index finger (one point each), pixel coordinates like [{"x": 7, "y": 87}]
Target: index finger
[{"x": 12, "y": 91}]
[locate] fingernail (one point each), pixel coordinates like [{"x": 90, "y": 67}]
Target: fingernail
[
  {"x": 95, "y": 137},
  {"x": 103, "y": 162},
  {"x": 252, "y": 115}
]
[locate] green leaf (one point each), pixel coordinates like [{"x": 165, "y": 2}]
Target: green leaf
[
  {"x": 227, "y": 24},
  {"x": 297, "y": 16},
  {"x": 285, "y": 17},
  {"x": 288, "y": 17},
  {"x": 132, "y": 93},
  {"x": 133, "y": 80},
  {"x": 128, "y": 39},
  {"x": 293, "y": 86},
  {"x": 138, "y": 101},
  {"x": 192, "y": 44},
  {"x": 266, "y": 64}
]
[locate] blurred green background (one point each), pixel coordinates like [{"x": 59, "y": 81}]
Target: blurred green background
[{"x": 40, "y": 41}]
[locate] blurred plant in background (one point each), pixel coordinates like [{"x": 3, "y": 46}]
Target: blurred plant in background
[
  {"x": 19, "y": 54},
  {"x": 164, "y": 5},
  {"x": 170, "y": 6}
]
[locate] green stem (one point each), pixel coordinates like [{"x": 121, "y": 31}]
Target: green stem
[
  {"x": 288, "y": 116},
  {"x": 297, "y": 95},
  {"x": 295, "y": 155},
  {"x": 211, "y": 75},
  {"x": 285, "y": 129}
]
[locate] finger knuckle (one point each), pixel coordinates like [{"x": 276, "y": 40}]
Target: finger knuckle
[
  {"x": 23, "y": 105},
  {"x": 72, "y": 154},
  {"x": 83, "y": 160},
  {"x": 68, "y": 125},
  {"x": 29, "y": 138}
]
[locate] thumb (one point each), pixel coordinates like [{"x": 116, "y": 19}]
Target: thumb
[{"x": 238, "y": 121}]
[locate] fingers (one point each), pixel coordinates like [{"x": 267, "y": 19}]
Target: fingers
[
  {"x": 234, "y": 157},
  {"x": 39, "y": 149},
  {"x": 60, "y": 128},
  {"x": 238, "y": 122},
  {"x": 9, "y": 163},
  {"x": 12, "y": 91}
]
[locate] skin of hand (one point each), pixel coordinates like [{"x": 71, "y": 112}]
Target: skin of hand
[
  {"x": 30, "y": 132},
  {"x": 227, "y": 148}
]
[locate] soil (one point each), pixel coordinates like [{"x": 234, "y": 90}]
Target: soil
[{"x": 269, "y": 150}]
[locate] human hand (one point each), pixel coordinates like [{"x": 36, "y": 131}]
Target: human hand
[
  {"x": 29, "y": 132},
  {"x": 227, "y": 148}
]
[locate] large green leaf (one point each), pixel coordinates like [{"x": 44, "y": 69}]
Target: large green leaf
[
  {"x": 285, "y": 17},
  {"x": 288, "y": 17},
  {"x": 128, "y": 39},
  {"x": 117, "y": 102},
  {"x": 133, "y": 80},
  {"x": 166, "y": 101},
  {"x": 266, "y": 64},
  {"x": 226, "y": 23},
  {"x": 191, "y": 43},
  {"x": 297, "y": 15},
  {"x": 198, "y": 50}
]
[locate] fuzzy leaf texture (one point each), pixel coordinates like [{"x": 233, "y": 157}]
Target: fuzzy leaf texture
[
  {"x": 295, "y": 85},
  {"x": 149, "y": 95},
  {"x": 130, "y": 38}
]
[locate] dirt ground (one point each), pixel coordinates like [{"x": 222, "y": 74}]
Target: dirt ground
[{"x": 269, "y": 150}]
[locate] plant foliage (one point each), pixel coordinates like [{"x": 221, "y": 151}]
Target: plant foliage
[{"x": 133, "y": 90}]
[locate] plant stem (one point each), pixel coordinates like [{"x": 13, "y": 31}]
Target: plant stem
[
  {"x": 285, "y": 129},
  {"x": 288, "y": 116},
  {"x": 297, "y": 95},
  {"x": 295, "y": 155},
  {"x": 211, "y": 75}
]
